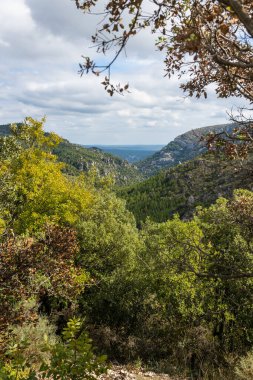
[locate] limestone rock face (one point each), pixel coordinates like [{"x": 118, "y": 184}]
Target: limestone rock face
[
  {"x": 121, "y": 373},
  {"x": 182, "y": 148},
  {"x": 118, "y": 374}
]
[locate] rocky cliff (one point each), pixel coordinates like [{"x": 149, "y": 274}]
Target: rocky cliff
[
  {"x": 78, "y": 159},
  {"x": 182, "y": 148}
]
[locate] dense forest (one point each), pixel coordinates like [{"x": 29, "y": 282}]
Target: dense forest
[
  {"x": 174, "y": 295},
  {"x": 180, "y": 189}
]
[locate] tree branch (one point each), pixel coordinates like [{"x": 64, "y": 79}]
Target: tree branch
[{"x": 242, "y": 14}]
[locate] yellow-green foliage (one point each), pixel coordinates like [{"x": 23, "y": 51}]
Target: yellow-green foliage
[
  {"x": 73, "y": 358},
  {"x": 179, "y": 291},
  {"x": 41, "y": 193},
  {"x": 171, "y": 258},
  {"x": 49, "y": 196},
  {"x": 2, "y": 226}
]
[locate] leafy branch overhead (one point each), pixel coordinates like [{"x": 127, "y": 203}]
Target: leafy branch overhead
[
  {"x": 235, "y": 144},
  {"x": 211, "y": 41}
]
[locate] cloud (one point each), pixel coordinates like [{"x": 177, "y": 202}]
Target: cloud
[{"x": 62, "y": 18}]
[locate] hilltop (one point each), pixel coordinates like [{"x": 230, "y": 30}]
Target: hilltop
[
  {"x": 4, "y": 129},
  {"x": 182, "y": 148}
]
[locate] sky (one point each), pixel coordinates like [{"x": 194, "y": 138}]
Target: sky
[{"x": 41, "y": 46}]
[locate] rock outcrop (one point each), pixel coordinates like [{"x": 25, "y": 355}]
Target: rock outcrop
[{"x": 181, "y": 149}]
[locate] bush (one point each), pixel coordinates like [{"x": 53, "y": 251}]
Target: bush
[
  {"x": 244, "y": 369},
  {"x": 33, "y": 337},
  {"x": 70, "y": 359}
]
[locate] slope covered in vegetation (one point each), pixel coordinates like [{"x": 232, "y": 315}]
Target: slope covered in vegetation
[
  {"x": 80, "y": 159},
  {"x": 180, "y": 189},
  {"x": 83, "y": 159}
]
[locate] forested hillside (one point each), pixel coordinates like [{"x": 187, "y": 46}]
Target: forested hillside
[
  {"x": 180, "y": 189},
  {"x": 4, "y": 129},
  {"x": 83, "y": 159},
  {"x": 80, "y": 159}
]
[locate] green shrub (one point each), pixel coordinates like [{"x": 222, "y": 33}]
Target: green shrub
[
  {"x": 32, "y": 337},
  {"x": 73, "y": 358},
  {"x": 70, "y": 359}
]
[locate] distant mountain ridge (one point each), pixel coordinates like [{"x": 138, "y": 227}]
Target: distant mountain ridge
[
  {"x": 131, "y": 153},
  {"x": 5, "y": 129},
  {"x": 183, "y": 148}
]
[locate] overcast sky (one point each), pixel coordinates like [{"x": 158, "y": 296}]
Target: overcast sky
[{"x": 41, "y": 44}]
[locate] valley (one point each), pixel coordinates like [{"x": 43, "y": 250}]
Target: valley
[
  {"x": 175, "y": 179},
  {"x": 140, "y": 255},
  {"x": 131, "y": 153}
]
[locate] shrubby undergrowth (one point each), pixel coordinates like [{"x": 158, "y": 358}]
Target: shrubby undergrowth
[{"x": 175, "y": 295}]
